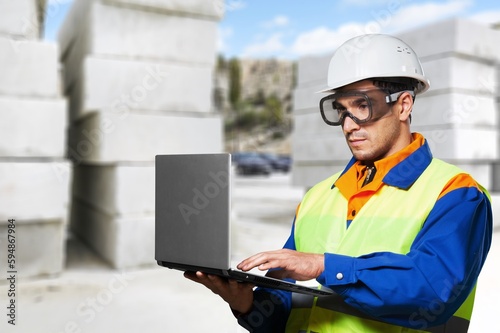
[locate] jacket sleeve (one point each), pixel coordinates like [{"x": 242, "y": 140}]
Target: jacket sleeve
[{"x": 428, "y": 284}]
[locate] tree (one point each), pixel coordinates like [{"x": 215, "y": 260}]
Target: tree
[
  {"x": 221, "y": 63},
  {"x": 274, "y": 111},
  {"x": 234, "y": 82}
]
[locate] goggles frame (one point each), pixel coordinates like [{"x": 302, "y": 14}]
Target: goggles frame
[{"x": 389, "y": 98}]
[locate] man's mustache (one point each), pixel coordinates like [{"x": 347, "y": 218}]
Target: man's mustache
[{"x": 356, "y": 136}]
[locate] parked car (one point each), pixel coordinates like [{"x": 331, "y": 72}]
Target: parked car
[
  {"x": 251, "y": 164},
  {"x": 286, "y": 160},
  {"x": 236, "y": 156},
  {"x": 278, "y": 162}
]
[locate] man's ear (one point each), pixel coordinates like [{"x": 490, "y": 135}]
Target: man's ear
[{"x": 405, "y": 101}]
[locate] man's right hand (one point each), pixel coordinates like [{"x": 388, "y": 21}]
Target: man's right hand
[{"x": 238, "y": 295}]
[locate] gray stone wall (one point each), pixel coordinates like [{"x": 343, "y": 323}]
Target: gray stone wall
[
  {"x": 269, "y": 77},
  {"x": 458, "y": 115},
  {"x": 139, "y": 76},
  {"x": 34, "y": 175}
]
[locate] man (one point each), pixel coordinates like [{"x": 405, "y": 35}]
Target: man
[{"x": 399, "y": 235}]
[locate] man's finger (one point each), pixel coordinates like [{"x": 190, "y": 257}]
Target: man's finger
[
  {"x": 191, "y": 276},
  {"x": 254, "y": 261}
]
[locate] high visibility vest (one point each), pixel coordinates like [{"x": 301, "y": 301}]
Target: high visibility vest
[{"x": 389, "y": 222}]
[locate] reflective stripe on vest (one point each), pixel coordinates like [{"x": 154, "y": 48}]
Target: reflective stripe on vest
[{"x": 320, "y": 227}]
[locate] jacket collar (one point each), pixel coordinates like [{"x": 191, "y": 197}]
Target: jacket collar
[{"x": 406, "y": 172}]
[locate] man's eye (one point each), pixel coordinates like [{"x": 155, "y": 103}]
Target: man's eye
[{"x": 338, "y": 107}]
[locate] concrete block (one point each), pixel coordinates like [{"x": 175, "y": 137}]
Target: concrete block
[
  {"x": 19, "y": 19},
  {"x": 455, "y": 108},
  {"x": 32, "y": 127},
  {"x": 142, "y": 34},
  {"x": 495, "y": 177},
  {"x": 495, "y": 207},
  {"x": 455, "y": 36},
  {"x": 460, "y": 73},
  {"x": 108, "y": 138},
  {"x": 313, "y": 70},
  {"x": 307, "y": 175},
  {"x": 117, "y": 190},
  {"x": 29, "y": 68},
  {"x": 197, "y": 8},
  {"x": 320, "y": 148},
  {"x": 121, "y": 86},
  {"x": 307, "y": 96},
  {"x": 121, "y": 241},
  {"x": 34, "y": 190},
  {"x": 123, "y": 32},
  {"x": 40, "y": 246},
  {"x": 77, "y": 20},
  {"x": 462, "y": 144},
  {"x": 309, "y": 122}
]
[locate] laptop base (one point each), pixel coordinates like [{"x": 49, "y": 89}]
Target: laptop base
[{"x": 258, "y": 280}]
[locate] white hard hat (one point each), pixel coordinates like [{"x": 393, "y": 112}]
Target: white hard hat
[{"x": 374, "y": 56}]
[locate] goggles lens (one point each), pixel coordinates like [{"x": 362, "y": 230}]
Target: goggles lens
[
  {"x": 357, "y": 105},
  {"x": 336, "y": 107}
]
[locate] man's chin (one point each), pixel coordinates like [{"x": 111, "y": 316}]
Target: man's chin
[{"x": 361, "y": 155}]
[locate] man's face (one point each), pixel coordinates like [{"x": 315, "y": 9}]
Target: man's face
[{"x": 376, "y": 139}]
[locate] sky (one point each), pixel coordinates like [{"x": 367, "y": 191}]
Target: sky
[{"x": 289, "y": 29}]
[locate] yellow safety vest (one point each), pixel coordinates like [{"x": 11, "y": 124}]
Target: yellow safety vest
[{"x": 389, "y": 221}]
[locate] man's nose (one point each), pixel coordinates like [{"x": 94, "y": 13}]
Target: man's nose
[{"x": 349, "y": 125}]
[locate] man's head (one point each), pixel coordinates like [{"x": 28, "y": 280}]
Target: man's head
[{"x": 373, "y": 81}]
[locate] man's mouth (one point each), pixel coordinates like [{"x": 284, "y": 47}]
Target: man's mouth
[{"x": 356, "y": 141}]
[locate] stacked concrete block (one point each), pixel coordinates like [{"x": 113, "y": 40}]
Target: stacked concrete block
[
  {"x": 34, "y": 174},
  {"x": 458, "y": 115},
  {"x": 138, "y": 74},
  {"x": 318, "y": 149},
  {"x": 21, "y": 19}
]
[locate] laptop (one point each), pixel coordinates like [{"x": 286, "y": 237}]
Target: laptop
[{"x": 192, "y": 219}]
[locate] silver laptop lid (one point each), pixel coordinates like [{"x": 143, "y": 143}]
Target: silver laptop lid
[{"x": 192, "y": 203}]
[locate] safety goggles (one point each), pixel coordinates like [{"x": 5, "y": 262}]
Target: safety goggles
[{"x": 361, "y": 106}]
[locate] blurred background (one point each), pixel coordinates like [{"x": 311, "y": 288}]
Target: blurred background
[{"x": 92, "y": 90}]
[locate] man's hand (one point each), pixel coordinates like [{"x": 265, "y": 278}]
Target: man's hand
[
  {"x": 238, "y": 295},
  {"x": 296, "y": 265}
]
